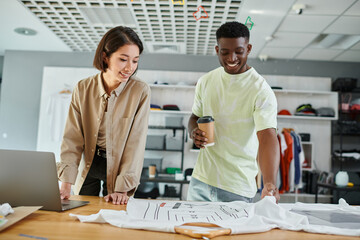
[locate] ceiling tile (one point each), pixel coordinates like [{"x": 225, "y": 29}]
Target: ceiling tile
[
  {"x": 257, "y": 45},
  {"x": 345, "y": 25},
  {"x": 349, "y": 56},
  {"x": 167, "y": 25},
  {"x": 324, "y": 7},
  {"x": 291, "y": 39},
  {"x": 335, "y": 41},
  {"x": 44, "y": 40},
  {"x": 266, "y": 15},
  {"x": 287, "y": 53},
  {"x": 354, "y": 10},
  {"x": 303, "y": 23},
  {"x": 356, "y": 46},
  {"x": 81, "y": 24},
  {"x": 318, "y": 54}
]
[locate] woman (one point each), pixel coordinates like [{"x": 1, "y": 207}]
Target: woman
[{"x": 107, "y": 123}]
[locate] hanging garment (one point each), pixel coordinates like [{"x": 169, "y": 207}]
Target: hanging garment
[
  {"x": 58, "y": 109},
  {"x": 282, "y": 162},
  {"x": 297, "y": 151},
  {"x": 288, "y": 157}
]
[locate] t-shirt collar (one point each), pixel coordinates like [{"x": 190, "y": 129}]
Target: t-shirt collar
[{"x": 226, "y": 75}]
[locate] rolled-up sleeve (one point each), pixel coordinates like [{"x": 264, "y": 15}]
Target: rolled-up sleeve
[
  {"x": 197, "y": 107},
  {"x": 265, "y": 113},
  {"x": 133, "y": 156},
  {"x": 73, "y": 142}
]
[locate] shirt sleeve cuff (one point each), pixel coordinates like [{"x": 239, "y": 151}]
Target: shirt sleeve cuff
[
  {"x": 66, "y": 173},
  {"x": 126, "y": 183}
]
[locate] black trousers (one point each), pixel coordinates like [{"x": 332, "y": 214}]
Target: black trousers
[{"x": 96, "y": 174}]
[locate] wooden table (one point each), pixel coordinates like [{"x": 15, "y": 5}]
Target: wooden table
[{"x": 59, "y": 225}]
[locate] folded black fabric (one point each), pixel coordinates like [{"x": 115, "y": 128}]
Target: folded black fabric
[
  {"x": 171, "y": 107},
  {"x": 305, "y": 110}
]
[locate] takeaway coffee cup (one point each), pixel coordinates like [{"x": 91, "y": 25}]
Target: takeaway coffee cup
[
  {"x": 206, "y": 124},
  {"x": 152, "y": 171}
]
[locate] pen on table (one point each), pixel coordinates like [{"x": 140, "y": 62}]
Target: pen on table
[{"x": 30, "y": 236}]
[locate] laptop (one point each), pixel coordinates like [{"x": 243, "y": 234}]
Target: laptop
[{"x": 29, "y": 178}]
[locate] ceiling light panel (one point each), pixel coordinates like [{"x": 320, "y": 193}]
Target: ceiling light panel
[
  {"x": 80, "y": 24},
  {"x": 109, "y": 16}
]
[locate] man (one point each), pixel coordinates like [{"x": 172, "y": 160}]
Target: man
[{"x": 244, "y": 108}]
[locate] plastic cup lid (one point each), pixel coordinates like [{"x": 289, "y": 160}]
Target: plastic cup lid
[{"x": 205, "y": 119}]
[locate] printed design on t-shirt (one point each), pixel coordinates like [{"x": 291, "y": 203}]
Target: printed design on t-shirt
[{"x": 194, "y": 212}]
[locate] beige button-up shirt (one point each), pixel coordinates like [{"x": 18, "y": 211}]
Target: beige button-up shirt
[{"x": 129, "y": 107}]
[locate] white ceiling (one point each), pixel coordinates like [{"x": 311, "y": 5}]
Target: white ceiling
[{"x": 167, "y": 26}]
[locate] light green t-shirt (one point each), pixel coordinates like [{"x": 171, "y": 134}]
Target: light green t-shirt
[{"x": 241, "y": 105}]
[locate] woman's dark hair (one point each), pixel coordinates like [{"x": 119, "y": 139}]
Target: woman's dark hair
[
  {"x": 232, "y": 30},
  {"x": 112, "y": 41}
]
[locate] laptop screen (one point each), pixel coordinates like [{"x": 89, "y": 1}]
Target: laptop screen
[{"x": 29, "y": 178}]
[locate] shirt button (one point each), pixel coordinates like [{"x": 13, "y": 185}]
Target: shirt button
[
  {"x": 92, "y": 150},
  {"x": 88, "y": 165},
  {"x": 95, "y": 135}
]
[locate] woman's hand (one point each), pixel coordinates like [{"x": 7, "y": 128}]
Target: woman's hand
[
  {"x": 117, "y": 198},
  {"x": 65, "y": 190},
  {"x": 270, "y": 190}
]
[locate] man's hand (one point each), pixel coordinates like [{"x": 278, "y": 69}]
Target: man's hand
[
  {"x": 270, "y": 190},
  {"x": 117, "y": 198},
  {"x": 65, "y": 190},
  {"x": 198, "y": 137}
]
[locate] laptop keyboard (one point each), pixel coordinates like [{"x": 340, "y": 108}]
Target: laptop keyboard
[
  {"x": 65, "y": 202},
  {"x": 69, "y": 204}
]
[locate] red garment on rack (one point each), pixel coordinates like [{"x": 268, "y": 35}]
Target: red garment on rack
[
  {"x": 282, "y": 166},
  {"x": 288, "y": 157}
]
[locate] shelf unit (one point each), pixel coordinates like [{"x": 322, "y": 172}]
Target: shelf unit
[
  {"x": 165, "y": 180},
  {"x": 308, "y": 148},
  {"x": 172, "y": 112},
  {"x": 304, "y": 198},
  {"x": 279, "y": 116},
  {"x": 306, "y": 118},
  {"x": 167, "y": 86},
  {"x": 168, "y": 178},
  {"x": 345, "y": 136},
  {"x": 320, "y": 98}
]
